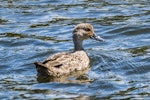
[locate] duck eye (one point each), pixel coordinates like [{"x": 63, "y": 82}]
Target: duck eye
[{"x": 86, "y": 29}]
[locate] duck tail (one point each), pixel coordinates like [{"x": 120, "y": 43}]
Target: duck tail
[
  {"x": 38, "y": 64},
  {"x": 41, "y": 69}
]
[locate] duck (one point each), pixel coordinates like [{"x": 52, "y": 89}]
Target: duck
[{"x": 66, "y": 63}]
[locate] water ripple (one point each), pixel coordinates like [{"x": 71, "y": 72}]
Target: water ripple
[{"x": 31, "y": 30}]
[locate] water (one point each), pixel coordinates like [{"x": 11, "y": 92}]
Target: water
[{"x": 31, "y": 30}]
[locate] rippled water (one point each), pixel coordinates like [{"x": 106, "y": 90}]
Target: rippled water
[{"x": 31, "y": 30}]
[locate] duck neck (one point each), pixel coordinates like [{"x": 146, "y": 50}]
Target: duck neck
[{"x": 77, "y": 43}]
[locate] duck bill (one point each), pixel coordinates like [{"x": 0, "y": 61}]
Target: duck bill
[{"x": 97, "y": 38}]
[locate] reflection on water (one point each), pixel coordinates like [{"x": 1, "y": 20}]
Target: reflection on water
[
  {"x": 76, "y": 77},
  {"x": 31, "y": 30}
]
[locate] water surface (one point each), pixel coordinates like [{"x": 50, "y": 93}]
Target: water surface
[{"x": 31, "y": 30}]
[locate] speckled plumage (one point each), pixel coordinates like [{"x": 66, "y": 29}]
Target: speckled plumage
[{"x": 61, "y": 64}]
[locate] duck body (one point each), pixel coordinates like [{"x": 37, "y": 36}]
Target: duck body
[{"x": 62, "y": 64}]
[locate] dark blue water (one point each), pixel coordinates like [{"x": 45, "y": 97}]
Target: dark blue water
[{"x": 31, "y": 30}]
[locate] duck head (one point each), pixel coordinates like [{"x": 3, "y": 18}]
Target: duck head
[{"x": 84, "y": 31}]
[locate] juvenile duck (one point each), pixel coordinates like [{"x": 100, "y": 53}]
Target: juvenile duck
[{"x": 64, "y": 63}]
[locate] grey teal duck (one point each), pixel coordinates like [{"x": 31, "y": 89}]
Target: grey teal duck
[{"x": 65, "y": 63}]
